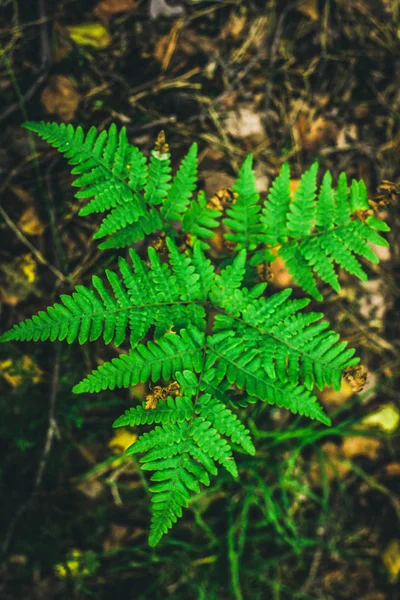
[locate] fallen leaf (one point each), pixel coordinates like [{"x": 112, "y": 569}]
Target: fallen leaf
[
  {"x": 361, "y": 446},
  {"x": 332, "y": 399},
  {"x": 245, "y": 123},
  {"x": 107, "y": 8},
  {"x": 235, "y": 25},
  {"x": 392, "y": 470},
  {"x": 20, "y": 276},
  {"x": 356, "y": 377},
  {"x": 28, "y": 267},
  {"x": 121, "y": 440},
  {"x": 310, "y": 9},
  {"x": 60, "y": 97},
  {"x": 333, "y": 466},
  {"x": 91, "y": 488},
  {"x": 23, "y": 369},
  {"x": 391, "y": 559},
  {"x": 313, "y": 133},
  {"x": 90, "y": 34},
  {"x": 30, "y": 223},
  {"x": 117, "y": 535},
  {"x": 387, "y": 418}
]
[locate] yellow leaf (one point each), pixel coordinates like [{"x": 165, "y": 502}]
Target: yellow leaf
[
  {"x": 90, "y": 34},
  {"x": 310, "y": 9},
  {"x": 122, "y": 440},
  {"x": 28, "y": 267},
  {"x": 391, "y": 559},
  {"x": 23, "y": 368},
  {"x": 386, "y": 418},
  {"x": 29, "y": 222}
]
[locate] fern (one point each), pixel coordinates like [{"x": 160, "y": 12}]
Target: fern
[
  {"x": 313, "y": 233},
  {"x": 195, "y": 325},
  {"x": 244, "y": 218},
  {"x": 199, "y": 220}
]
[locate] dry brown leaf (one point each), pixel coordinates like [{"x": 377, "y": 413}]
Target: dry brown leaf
[
  {"x": 310, "y": 9},
  {"x": 107, "y": 8},
  {"x": 30, "y": 223},
  {"x": 356, "y": 377},
  {"x": 60, "y": 97},
  {"x": 235, "y": 26},
  {"x": 312, "y": 134},
  {"x": 91, "y": 488},
  {"x": 334, "y": 467},
  {"x": 361, "y": 446},
  {"x": 332, "y": 399},
  {"x": 114, "y": 540},
  {"x": 392, "y": 470}
]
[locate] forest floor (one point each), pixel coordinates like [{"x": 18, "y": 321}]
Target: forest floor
[{"x": 316, "y": 514}]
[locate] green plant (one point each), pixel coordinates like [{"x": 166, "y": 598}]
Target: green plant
[{"x": 219, "y": 343}]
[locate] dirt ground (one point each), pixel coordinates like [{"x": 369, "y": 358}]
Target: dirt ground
[{"x": 316, "y": 514}]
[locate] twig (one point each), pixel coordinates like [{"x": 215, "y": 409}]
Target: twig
[
  {"x": 36, "y": 253},
  {"x": 27, "y": 96},
  {"x": 316, "y": 561},
  {"x": 45, "y": 49}
]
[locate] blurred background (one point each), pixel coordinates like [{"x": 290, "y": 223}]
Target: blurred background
[{"x": 315, "y": 515}]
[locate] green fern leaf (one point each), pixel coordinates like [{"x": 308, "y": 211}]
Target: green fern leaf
[
  {"x": 276, "y": 207},
  {"x": 225, "y": 422},
  {"x": 318, "y": 234},
  {"x": 182, "y": 187},
  {"x": 244, "y": 215},
  {"x": 154, "y": 360},
  {"x": 199, "y": 221},
  {"x": 109, "y": 168},
  {"x": 301, "y": 215},
  {"x": 172, "y": 410},
  {"x": 158, "y": 178},
  {"x": 132, "y": 233}
]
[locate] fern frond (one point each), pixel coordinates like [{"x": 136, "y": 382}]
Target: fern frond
[
  {"x": 140, "y": 299},
  {"x": 199, "y": 220},
  {"x": 275, "y": 210},
  {"x": 182, "y": 455},
  {"x": 228, "y": 358},
  {"x": 317, "y": 233},
  {"x": 302, "y": 209},
  {"x": 182, "y": 187},
  {"x": 223, "y": 291},
  {"x": 204, "y": 269},
  {"x": 185, "y": 272},
  {"x": 244, "y": 215},
  {"x": 109, "y": 168},
  {"x": 132, "y": 233},
  {"x": 224, "y": 421},
  {"x": 154, "y": 360},
  {"x": 293, "y": 346},
  {"x": 158, "y": 178},
  {"x": 172, "y": 410}
]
